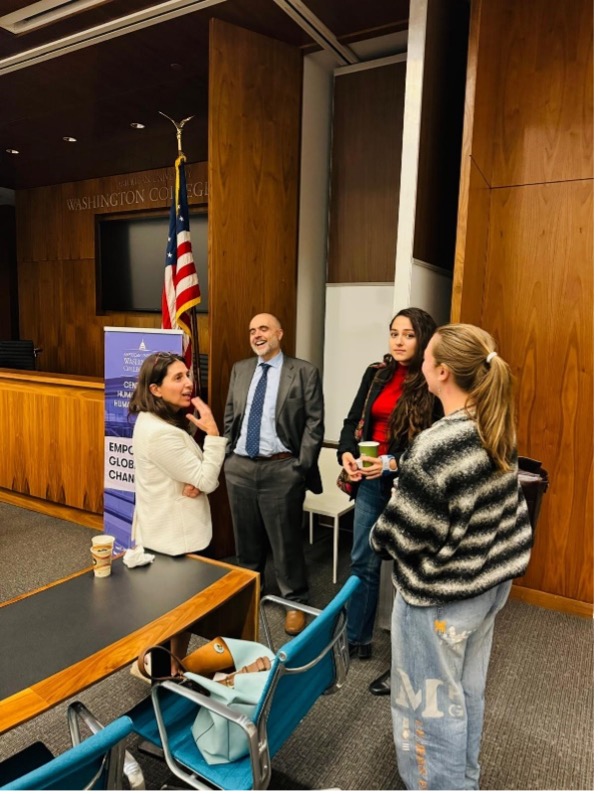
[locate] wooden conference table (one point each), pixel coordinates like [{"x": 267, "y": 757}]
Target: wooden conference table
[{"x": 60, "y": 639}]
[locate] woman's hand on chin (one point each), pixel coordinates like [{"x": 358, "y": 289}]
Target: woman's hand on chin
[{"x": 205, "y": 421}]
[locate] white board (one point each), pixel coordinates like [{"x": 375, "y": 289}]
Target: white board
[{"x": 355, "y": 335}]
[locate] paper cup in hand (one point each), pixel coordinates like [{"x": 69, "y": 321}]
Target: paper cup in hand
[
  {"x": 101, "y": 553},
  {"x": 369, "y": 448}
]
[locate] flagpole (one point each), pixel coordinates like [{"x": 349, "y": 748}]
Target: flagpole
[
  {"x": 195, "y": 343},
  {"x": 193, "y": 325}
]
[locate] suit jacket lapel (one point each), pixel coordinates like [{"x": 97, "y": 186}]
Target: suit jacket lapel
[
  {"x": 286, "y": 378},
  {"x": 244, "y": 377}
]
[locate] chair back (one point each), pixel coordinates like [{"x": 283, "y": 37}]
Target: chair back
[
  {"x": 311, "y": 664},
  {"x": 96, "y": 763}
]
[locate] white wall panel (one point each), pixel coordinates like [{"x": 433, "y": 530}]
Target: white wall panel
[{"x": 356, "y": 334}]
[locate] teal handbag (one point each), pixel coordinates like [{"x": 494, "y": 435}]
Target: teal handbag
[{"x": 218, "y": 740}]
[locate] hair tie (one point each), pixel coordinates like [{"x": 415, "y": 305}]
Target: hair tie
[{"x": 490, "y": 356}]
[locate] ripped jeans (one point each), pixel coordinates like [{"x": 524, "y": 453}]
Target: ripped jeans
[{"x": 439, "y": 664}]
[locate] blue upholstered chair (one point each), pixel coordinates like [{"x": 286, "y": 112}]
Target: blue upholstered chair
[
  {"x": 313, "y": 663},
  {"x": 95, "y": 763}
]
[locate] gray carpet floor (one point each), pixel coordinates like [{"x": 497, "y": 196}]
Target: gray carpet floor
[{"x": 538, "y": 732}]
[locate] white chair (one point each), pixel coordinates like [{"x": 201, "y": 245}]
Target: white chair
[{"x": 331, "y": 502}]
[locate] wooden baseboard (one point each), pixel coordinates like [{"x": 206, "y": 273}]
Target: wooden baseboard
[
  {"x": 92, "y": 520},
  {"x": 550, "y": 601}
]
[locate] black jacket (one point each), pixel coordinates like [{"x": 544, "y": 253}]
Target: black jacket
[{"x": 347, "y": 442}]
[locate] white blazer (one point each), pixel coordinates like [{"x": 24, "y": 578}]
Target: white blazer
[{"x": 166, "y": 458}]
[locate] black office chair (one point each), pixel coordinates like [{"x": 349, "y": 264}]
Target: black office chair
[{"x": 19, "y": 354}]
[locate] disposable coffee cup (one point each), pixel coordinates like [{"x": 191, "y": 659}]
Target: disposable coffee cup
[
  {"x": 101, "y": 554},
  {"x": 369, "y": 448}
]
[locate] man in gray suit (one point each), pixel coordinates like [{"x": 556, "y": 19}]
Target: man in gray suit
[{"x": 274, "y": 423}]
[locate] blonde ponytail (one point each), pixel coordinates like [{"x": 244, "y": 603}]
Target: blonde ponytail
[{"x": 469, "y": 353}]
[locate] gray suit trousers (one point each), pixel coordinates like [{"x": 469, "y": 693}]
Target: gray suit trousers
[{"x": 266, "y": 501}]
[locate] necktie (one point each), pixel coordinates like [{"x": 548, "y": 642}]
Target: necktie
[{"x": 254, "y": 421}]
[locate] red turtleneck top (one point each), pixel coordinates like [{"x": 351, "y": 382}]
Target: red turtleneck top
[{"x": 383, "y": 407}]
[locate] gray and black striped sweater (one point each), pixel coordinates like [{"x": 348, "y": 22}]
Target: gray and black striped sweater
[{"x": 455, "y": 526}]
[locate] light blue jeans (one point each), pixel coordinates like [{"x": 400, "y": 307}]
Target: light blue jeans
[
  {"x": 439, "y": 664},
  {"x": 372, "y": 496}
]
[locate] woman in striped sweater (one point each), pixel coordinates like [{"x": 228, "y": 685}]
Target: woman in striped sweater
[{"x": 458, "y": 531}]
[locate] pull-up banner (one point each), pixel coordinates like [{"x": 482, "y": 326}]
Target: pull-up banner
[{"x": 125, "y": 350}]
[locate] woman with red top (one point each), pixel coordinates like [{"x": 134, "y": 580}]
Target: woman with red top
[{"x": 394, "y": 402}]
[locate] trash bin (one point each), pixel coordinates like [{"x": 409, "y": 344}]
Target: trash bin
[{"x": 534, "y": 482}]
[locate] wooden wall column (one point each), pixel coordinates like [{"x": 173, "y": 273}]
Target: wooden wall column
[
  {"x": 254, "y": 135},
  {"x": 524, "y": 258}
]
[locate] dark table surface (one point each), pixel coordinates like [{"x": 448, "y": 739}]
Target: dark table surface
[{"x": 56, "y": 627}]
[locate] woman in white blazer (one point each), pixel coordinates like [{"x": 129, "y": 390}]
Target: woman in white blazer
[{"x": 173, "y": 475}]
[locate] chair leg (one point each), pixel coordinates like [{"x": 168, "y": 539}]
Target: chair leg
[
  {"x": 77, "y": 711},
  {"x": 311, "y": 528},
  {"x": 335, "y": 549}
]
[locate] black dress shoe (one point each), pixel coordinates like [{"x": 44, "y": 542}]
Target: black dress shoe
[
  {"x": 381, "y": 686},
  {"x": 360, "y": 651}
]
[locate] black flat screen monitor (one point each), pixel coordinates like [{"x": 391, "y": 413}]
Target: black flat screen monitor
[{"x": 130, "y": 262}]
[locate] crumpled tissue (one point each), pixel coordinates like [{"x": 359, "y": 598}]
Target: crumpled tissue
[{"x": 138, "y": 556}]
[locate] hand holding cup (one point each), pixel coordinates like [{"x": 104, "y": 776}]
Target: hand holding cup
[
  {"x": 351, "y": 466},
  {"x": 368, "y": 451},
  {"x": 370, "y": 462}
]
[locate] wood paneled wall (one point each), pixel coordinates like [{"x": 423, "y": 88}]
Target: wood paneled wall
[
  {"x": 57, "y": 269},
  {"x": 524, "y": 260},
  {"x": 254, "y": 137},
  {"x": 366, "y": 174},
  {"x": 538, "y": 305},
  {"x": 67, "y": 415},
  {"x": 9, "y": 320}
]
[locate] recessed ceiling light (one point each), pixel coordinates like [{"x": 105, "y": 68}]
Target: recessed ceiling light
[
  {"x": 137, "y": 125},
  {"x": 13, "y": 151},
  {"x": 68, "y": 139},
  {"x": 34, "y": 15}
]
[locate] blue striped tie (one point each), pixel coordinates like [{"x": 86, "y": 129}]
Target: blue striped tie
[{"x": 254, "y": 422}]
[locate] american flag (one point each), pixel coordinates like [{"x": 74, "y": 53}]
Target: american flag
[{"x": 181, "y": 287}]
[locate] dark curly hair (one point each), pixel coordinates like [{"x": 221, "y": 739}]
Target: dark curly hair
[
  {"x": 153, "y": 370},
  {"x": 415, "y": 407}
]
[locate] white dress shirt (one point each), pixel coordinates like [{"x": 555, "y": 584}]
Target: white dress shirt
[{"x": 270, "y": 444}]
